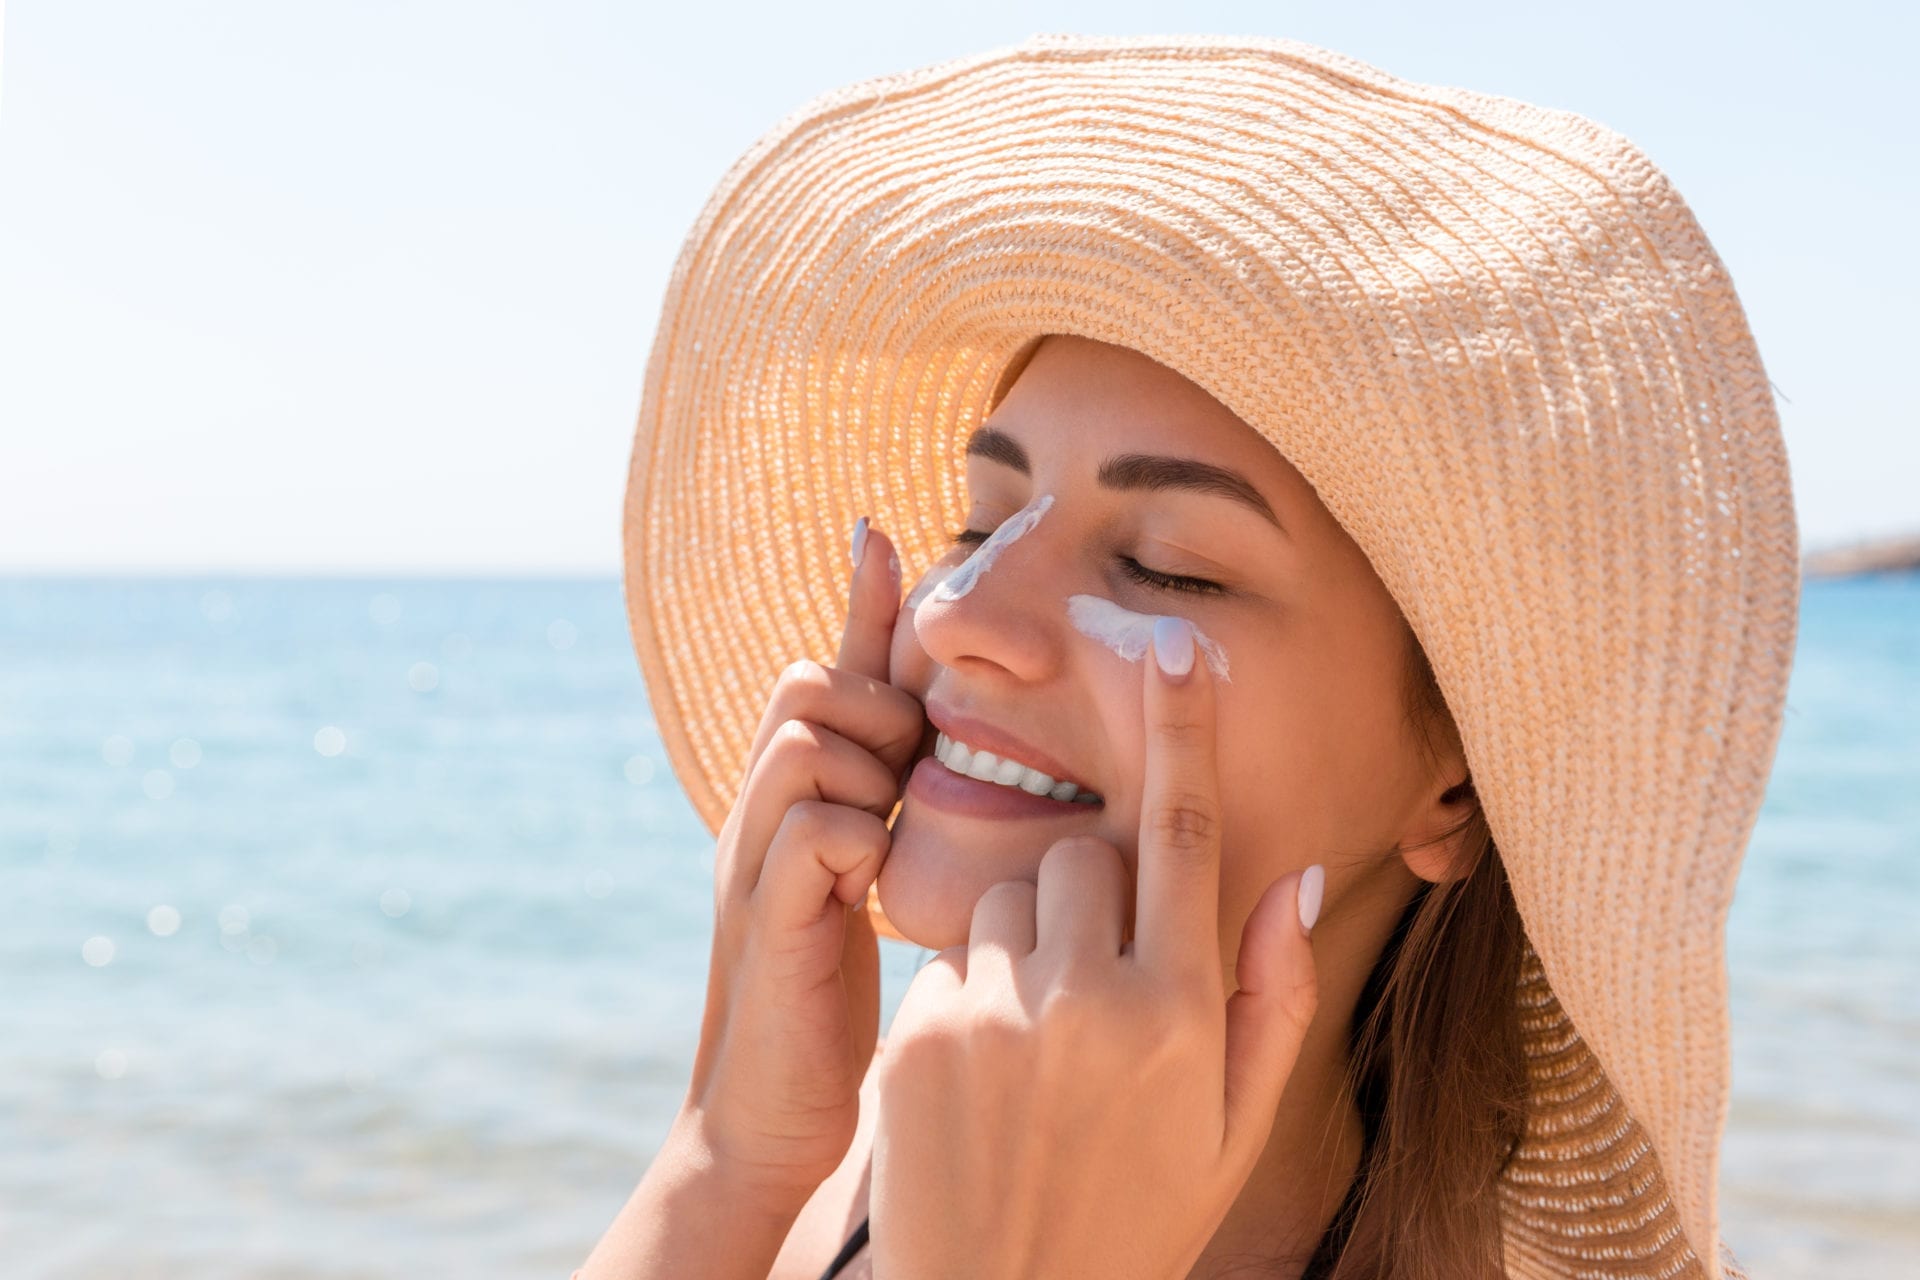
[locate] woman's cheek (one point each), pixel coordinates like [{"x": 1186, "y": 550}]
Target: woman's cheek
[{"x": 1113, "y": 741}]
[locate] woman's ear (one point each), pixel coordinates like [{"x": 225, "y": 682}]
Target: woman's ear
[{"x": 1435, "y": 846}]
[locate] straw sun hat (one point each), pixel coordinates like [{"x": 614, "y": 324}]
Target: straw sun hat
[{"x": 1491, "y": 336}]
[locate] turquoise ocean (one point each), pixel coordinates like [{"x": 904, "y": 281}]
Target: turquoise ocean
[{"x": 358, "y": 928}]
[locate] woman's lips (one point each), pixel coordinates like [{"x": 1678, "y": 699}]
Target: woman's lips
[{"x": 939, "y": 787}]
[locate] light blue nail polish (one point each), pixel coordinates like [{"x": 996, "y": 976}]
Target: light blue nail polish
[
  {"x": 859, "y": 547},
  {"x": 1173, "y": 645}
]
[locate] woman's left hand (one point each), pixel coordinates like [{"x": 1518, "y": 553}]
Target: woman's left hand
[{"x": 1057, "y": 1102}]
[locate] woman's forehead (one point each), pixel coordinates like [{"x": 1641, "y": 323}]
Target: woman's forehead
[{"x": 1080, "y": 404}]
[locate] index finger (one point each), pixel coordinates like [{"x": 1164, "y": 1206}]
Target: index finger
[
  {"x": 1177, "y": 906},
  {"x": 873, "y": 603}
]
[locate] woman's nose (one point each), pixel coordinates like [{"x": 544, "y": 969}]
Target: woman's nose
[{"x": 1002, "y": 605}]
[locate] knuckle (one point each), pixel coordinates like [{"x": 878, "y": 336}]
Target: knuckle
[
  {"x": 1302, "y": 997},
  {"x": 804, "y": 671},
  {"x": 1185, "y": 822},
  {"x": 1183, "y": 732},
  {"x": 1301, "y": 1010},
  {"x": 911, "y": 1042},
  {"x": 1164, "y": 1026},
  {"x": 922, "y": 1039},
  {"x": 795, "y": 741},
  {"x": 806, "y": 822},
  {"x": 1004, "y": 896},
  {"x": 1002, "y": 1027},
  {"x": 799, "y": 688}
]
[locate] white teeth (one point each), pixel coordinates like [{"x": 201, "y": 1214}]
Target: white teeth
[{"x": 987, "y": 767}]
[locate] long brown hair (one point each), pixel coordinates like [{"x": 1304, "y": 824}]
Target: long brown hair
[{"x": 1435, "y": 1062}]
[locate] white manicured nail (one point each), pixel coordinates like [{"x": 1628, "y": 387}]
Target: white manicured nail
[{"x": 1313, "y": 883}]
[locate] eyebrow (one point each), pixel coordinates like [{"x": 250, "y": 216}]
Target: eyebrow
[{"x": 1144, "y": 471}]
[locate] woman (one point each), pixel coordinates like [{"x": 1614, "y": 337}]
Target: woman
[{"x": 1377, "y": 549}]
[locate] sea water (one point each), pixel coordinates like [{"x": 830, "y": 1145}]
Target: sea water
[{"x": 360, "y": 928}]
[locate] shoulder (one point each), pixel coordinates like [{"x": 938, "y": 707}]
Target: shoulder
[{"x": 838, "y": 1204}]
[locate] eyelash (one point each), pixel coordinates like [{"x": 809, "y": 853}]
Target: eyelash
[{"x": 1131, "y": 567}]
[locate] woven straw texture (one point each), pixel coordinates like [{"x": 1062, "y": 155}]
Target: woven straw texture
[{"x": 1491, "y": 336}]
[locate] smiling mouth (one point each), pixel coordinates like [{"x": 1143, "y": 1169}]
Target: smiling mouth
[{"x": 984, "y": 766}]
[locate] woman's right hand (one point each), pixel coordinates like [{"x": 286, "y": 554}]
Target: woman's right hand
[{"x": 793, "y": 990}]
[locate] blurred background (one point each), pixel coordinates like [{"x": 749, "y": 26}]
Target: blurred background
[{"x": 354, "y": 922}]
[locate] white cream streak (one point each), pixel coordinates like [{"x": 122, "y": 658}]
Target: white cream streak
[
  {"x": 1016, "y": 526},
  {"x": 1130, "y": 634},
  {"x": 924, "y": 588}
]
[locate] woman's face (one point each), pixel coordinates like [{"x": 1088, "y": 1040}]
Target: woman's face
[{"x": 1150, "y": 479}]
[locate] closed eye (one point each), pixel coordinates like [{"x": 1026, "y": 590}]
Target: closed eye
[
  {"x": 1168, "y": 581},
  {"x": 1128, "y": 565}
]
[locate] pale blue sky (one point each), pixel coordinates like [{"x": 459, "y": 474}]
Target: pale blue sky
[{"x": 369, "y": 286}]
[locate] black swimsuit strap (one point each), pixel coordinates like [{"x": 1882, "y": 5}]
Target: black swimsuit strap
[
  {"x": 1318, "y": 1266},
  {"x": 854, "y": 1244}
]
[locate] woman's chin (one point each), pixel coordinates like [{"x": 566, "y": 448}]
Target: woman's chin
[{"x": 931, "y": 879}]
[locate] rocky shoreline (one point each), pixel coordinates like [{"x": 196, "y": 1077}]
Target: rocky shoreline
[{"x": 1877, "y": 555}]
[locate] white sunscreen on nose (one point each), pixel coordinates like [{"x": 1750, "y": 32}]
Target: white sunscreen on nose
[
  {"x": 1016, "y": 526},
  {"x": 924, "y": 588},
  {"x": 1130, "y": 634}
]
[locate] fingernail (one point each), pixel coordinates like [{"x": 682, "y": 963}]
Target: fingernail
[
  {"x": 1173, "y": 645},
  {"x": 1313, "y": 883},
  {"x": 893, "y": 572},
  {"x": 859, "y": 547}
]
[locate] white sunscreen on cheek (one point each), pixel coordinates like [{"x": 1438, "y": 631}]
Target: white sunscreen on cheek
[
  {"x": 1130, "y": 634},
  {"x": 1016, "y": 526}
]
